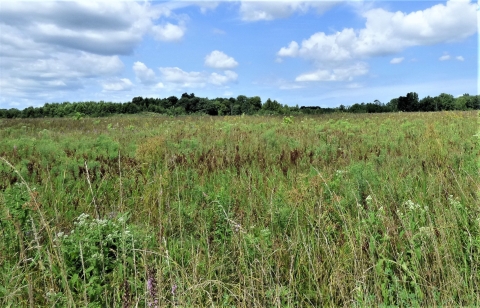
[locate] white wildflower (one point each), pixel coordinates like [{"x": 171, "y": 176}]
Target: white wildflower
[
  {"x": 428, "y": 231},
  {"x": 81, "y": 219},
  {"x": 369, "y": 199},
  {"x": 454, "y": 202}
]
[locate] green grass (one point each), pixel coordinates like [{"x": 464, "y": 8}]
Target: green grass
[{"x": 337, "y": 210}]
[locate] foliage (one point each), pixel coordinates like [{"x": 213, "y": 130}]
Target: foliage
[
  {"x": 98, "y": 253},
  {"x": 337, "y": 209},
  {"x": 190, "y": 104}
]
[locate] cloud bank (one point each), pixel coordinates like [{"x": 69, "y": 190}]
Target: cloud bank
[{"x": 385, "y": 33}]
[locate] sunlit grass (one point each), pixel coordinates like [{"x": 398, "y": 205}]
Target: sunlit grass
[{"x": 340, "y": 209}]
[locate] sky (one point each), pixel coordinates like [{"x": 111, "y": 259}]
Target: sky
[{"x": 306, "y": 53}]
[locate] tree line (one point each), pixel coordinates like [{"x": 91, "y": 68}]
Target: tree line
[{"x": 189, "y": 104}]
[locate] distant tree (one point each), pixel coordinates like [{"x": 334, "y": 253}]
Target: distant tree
[
  {"x": 473, "y": 102},
  {"x": 186, "y": 95},
  {"x": 461, "y": 103},
  {"x": 295, "y": 109},
  {"x": 427, "y": 104},
  {"x": 358, "y": 108},
  {"x": 14, "y": 113},
  {"x": 172, "y": 101},
  {"x": 234, "y": 107},
  {"x": 271, "y": 106},
  {"x": 409, "y": 102},
  {"x": 242, "y": 102},
  {"x": 137, "y": 101},
  {"x": 255, "y": 103},
  {"x": 445, "y": 101},
  {"x": 392, "y": 105},
  {"x": 130, "y": 108},
  {"x": 207, "y": 106}
]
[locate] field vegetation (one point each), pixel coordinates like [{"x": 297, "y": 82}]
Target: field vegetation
[{"x": 242, "y": 211}]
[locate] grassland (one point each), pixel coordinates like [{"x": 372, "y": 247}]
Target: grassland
[{"x": 337, "y": 210}]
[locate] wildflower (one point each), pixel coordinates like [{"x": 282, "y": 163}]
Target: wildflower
[
  {"x": 81, "y": 219},
  {"x": 428, "y": 231},
  {"x": 121, "y": 219},
  {"x": 152, "y": 289},
  {"x": 369, "y": 199},
  {"x": 410, "y": 205},
  {"x": 399, "y": 213},
  {"x": 454, "y": 202}
]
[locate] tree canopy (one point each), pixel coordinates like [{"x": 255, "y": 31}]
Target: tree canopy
[{"x": 190, "y": 104}]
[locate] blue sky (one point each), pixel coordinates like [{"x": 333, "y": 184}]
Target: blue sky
[{"x": 311, "y": 53}]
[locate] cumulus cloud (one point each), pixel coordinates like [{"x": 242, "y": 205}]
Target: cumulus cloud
[
  {"x": 180, "y": 78},
  {"x": 290, "y": 51},
  {"x": 144, "y": 74},
  {"x": 51, "y": 75},
  {"x": 218, "y": 59},
  {"x": 49, "y": 47},
  {"x": 397, "y": 60},
  {"x": 122, "y": 84},
  {"x": 444, "y": 58},
  {"x": 337, "y": 74},
  {"x": 269, "y": 10},
  {"x": 219, "y": 80},
  {"x": 387, "y": 33},
  {"x": 168, "y": 32},
  {"x": 95, "y": 27},
  {"x": 384, "y": 33},
  {"x": 460, "y": 58},
  {"x": 206, "y": 6}
]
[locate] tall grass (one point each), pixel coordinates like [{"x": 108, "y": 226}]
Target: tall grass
[{"x": 337, "y": 210}]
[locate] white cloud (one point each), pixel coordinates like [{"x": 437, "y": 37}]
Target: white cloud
[
  {"x": 290, "y": 51},
  {"x": 388, "y": 33},
  {"x": 52, "y": 48},
  {"x": 123, "y": 84},
  {"x": 106, "y": 28},
  {"x": 460, "y": 58},
  {"x": 269, "y": 10},
  {"x": 49, "y": 76},
  {"x": 337, "y": 74},
  {"x": 144, "y": 74},
  {"x": 219, "y": 80},
  {"x": 397, "y": 60},
  {"x": 179, "y": 78},
  {"x": 384, "y": 33},
  {"x": 444, "y": 58},
  {"x": 218, "y": 59},
  {"x": 168, "y": 32},
  {"x": 206, "y": 6}
]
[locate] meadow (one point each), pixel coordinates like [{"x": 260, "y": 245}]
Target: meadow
[{"x": 244, "y": 211}]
